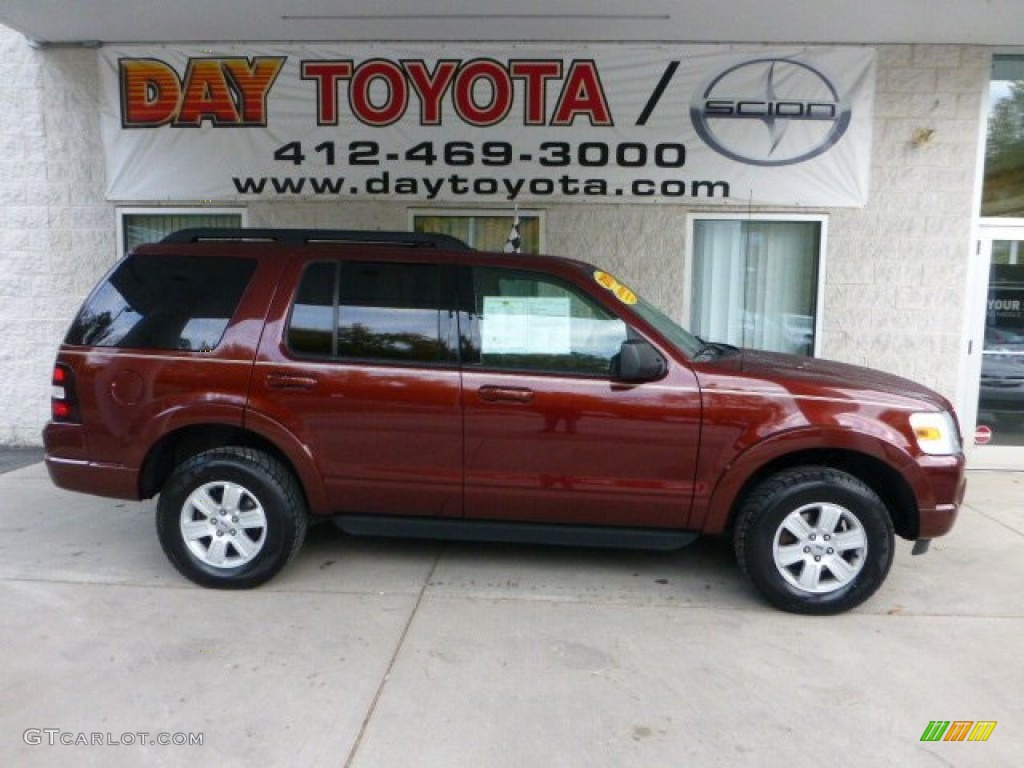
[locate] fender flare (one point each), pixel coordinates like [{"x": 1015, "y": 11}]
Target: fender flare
[
  {"x": 298, "y": 455},
  {"x": 716, "y": 513},
  {"x": 176, "y": 419}
]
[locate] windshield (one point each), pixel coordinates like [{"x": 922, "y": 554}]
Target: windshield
[{"x": 679, "y": 337}]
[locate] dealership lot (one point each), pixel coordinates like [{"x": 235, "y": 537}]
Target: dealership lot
[{"x": 376, "y": 653}]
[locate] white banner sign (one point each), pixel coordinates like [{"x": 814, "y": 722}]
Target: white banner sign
[{"x": 489, "y": 123}]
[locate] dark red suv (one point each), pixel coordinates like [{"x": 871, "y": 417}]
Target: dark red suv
[{"x": 404, "y": 384}]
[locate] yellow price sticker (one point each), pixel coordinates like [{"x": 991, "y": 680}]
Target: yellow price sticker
[{"x": 622, "y": 293}]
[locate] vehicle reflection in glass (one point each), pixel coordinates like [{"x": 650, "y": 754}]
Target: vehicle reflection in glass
[{"x": 1001, "y": 393}]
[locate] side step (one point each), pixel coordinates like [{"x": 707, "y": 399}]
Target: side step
[{"x": 515, "y": 533}]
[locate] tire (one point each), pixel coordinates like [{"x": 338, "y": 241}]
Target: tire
[
  {"x": 231, "y": 518},
  {"x": 814, "y": 540}
]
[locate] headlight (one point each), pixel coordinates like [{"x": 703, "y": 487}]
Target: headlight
[{"x": 936, "y": 433}]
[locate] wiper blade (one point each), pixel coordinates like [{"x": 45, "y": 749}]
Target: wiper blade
[{"x": 712, "y": 350}]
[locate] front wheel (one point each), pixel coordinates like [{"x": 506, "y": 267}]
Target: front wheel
[
  {"x": 814, "y": 540},
  {"x": 231, "y": 518}
]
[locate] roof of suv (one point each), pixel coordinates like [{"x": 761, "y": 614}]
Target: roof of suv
[
  {"x": 311, "y": 236},
  {"x": 425, "y": 243}
]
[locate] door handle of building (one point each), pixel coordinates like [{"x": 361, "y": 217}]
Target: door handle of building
[
  {"x": 491, "y": 394},
  {"x": 290, "y": 381}
]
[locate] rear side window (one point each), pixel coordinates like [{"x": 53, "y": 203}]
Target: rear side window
[
  {"x": 311, "y": 330},
  {"x": 163, "y": 302},
  {"x": 374, "y": 311}
]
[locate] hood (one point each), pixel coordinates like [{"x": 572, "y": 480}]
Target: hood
[{"x": 842, "y": 379}]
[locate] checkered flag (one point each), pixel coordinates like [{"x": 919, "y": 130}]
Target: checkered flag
[{"x": 513, "y": 243}]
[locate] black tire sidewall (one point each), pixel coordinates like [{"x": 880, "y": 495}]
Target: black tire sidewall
[
  {"x": 254, "y": 472},
  {"x": 796, "y": 490}
]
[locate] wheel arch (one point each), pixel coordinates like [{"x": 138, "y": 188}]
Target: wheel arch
[
  {"x": 885, "y": 480},
  {"x": 178, "y": 446}
]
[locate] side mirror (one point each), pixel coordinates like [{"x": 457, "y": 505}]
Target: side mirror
[{"x": 638, "y": 361}]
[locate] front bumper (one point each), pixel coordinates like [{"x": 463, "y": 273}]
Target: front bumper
[{"x": 948, "y": 484}]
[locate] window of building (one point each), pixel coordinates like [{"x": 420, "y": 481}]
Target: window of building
[
  {"x": 533, "y": 322},
  {"x": 756, "y": 282},
  {"x": 484, "y": 231},
  {"x": 373, "y": 311},
  {"x": 1003, "y": 189},
  {"x": 149, "y": 225}
]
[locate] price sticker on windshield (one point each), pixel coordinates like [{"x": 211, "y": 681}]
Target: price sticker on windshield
[{"x": 622, "y": 293}]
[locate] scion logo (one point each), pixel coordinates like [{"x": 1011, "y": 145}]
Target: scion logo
[{"x": 801, "y": 112}]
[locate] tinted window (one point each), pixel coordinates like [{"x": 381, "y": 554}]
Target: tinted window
[
  {"x": 534, "y": 322},
  {"x": 163, "y": 302},
  {"x": 373, "y": 311},
  {"x": 311, "y": 330},
  {"x": 391, "y": 312}
]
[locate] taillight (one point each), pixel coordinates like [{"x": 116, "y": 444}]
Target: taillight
[{"x": 63, "y": 403}]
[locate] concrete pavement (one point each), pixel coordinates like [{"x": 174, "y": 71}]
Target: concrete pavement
[
  {"x": 17, "y": 457},
  {"x": 392, "y": 654}
]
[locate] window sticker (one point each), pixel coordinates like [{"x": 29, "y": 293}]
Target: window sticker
[
  {"x": 525, "y": 326},
  {"x": 622, "y": 293}
]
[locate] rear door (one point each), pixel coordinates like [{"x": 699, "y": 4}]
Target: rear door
[
  {"x": 363, "y": 369},
  {"x": 550, "y": 436}
]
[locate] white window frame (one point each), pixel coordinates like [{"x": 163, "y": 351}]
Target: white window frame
[
  {"x": 190, "y": 210},
  {"x": 480, "y": 212},
  {"x": 689, "y": 257}
]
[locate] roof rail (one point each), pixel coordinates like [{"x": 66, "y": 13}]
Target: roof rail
[{"x": 304, "y": 236}]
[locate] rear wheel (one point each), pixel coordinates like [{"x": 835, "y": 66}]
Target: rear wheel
[
  {"x": 814, "y": 540},
  {"x": 231, "y": 518}
]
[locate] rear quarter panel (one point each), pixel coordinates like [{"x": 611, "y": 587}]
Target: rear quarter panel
[{"x": 130, "y": 398}]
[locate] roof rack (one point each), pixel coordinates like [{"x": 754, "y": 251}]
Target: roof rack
[{"x": 308, "y": 236}]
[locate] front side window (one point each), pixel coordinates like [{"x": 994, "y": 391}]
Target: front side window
[
  {"x": 533, "y": 322},
  {"x": 755, "y": 283},
  {"x": 163, "y": 302},
  {"x": 373, "y": 311}
]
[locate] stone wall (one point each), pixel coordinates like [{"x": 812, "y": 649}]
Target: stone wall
[
  {"x": 895, "y": 287},
  {"x": 57, "y": 233}
]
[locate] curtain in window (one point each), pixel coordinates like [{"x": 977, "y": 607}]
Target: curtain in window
[
  {"x": 485, "y": 233},
  {"x": 755, "y": 283},
  {"x": 142, "y": 228}
]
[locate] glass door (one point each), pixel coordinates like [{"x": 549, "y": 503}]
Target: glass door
[{"x": 998, "y": 434}]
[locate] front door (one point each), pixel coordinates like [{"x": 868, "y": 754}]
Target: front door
[
  {"x": 549, "y": 435},
  {"x": 997, "y": 349}
]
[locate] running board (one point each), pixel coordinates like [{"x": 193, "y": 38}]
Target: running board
[{"x": 515, "y": 533}]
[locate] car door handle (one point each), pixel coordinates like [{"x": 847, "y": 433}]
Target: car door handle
[
  {"x": 491, "y": 394},
  {"x": 290, "y": 381}
]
